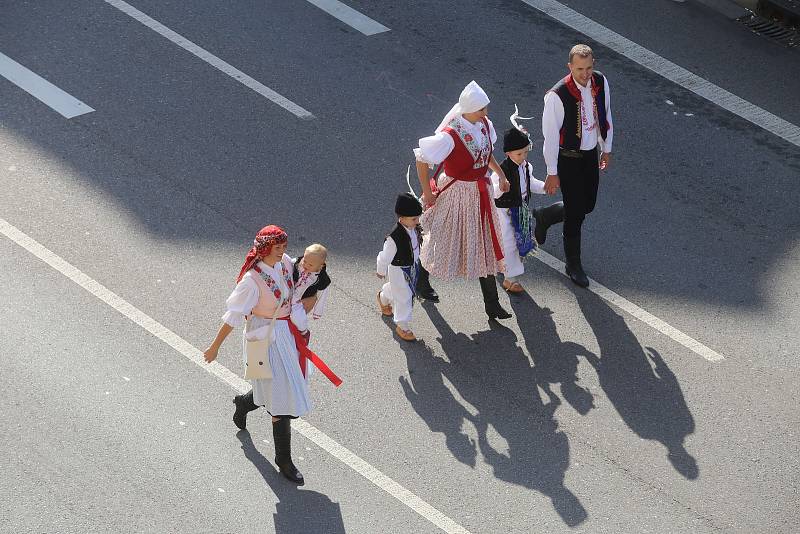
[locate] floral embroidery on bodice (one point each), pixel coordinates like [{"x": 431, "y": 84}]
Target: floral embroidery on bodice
[
  {"x": 481, "y": 148},
  {"x": 272, "y": 285}
]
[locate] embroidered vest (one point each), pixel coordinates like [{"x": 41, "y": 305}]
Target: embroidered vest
[
  {"x": 269, "y": 292},
  {"x": 571, "y": 129},
  {"x": 469, "y": 160},
  {"x": 404, "y": 257},
  {"x": 513, "y": 197}
]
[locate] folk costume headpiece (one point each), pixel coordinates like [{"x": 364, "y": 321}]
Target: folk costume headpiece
[
  {"x": 407, "y": 205},
  {"x": 262, "y": 246},
  {"x": 516, "y": 138},
  {"x": 472, "y": 99}
]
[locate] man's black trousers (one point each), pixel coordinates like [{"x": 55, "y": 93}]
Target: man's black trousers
[{"x": 579, "y": 174}]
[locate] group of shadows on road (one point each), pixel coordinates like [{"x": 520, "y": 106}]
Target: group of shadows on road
[{"x": 635, "y": 379}]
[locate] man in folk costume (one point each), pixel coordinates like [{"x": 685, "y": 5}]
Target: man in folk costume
[
  {"x": 462, "y": 231},
  {"x": 522, "y": 227},
  {"x": 576, "y": 119},
  {"x": 261, "y": 302},
  {"x": 398, "y": 261}
]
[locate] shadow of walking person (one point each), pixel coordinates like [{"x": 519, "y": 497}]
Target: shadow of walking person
[
  {"x": 494, "y": 376},
  {"x": 298, "y": 511},
  {"x": 554, "y": 361},
  {"x": 637, "y": 381},
  {"x": 434, "y": 402}
]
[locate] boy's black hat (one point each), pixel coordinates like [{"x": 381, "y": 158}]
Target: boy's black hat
[
  {"x": 514, "y": 139},
  {"x": 407, "y": 205}
]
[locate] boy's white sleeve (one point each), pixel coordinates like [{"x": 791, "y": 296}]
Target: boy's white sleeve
[
  {"x": 299, "y": 317},
  {"x": 386, "y": 256},
  {"x": 537, "y": 186}
]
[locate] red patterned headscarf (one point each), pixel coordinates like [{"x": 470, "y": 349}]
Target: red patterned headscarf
[{"x": 262, "y": 246}]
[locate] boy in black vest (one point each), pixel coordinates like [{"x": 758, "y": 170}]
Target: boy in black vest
[
  {"x": 513, "y": 208},
  {"x": 398, "y": 262}
]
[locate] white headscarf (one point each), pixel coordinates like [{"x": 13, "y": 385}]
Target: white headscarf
[{"x": 472, "y": 99}]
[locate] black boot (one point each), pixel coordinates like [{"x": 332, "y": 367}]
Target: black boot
[
  {"x": 282, "y": 435},
  {"x": 491, "y": 302},
  {"x": 244, "y": 404},
  {"x": 547, "y": 217},
  {"x": 573, "y": 267},
  {"x": 424, "y": 289}
]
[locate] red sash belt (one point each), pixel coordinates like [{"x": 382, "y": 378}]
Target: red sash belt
[
  {"x": 486, "y": 207},
  {"x": 307, "y": 354}
]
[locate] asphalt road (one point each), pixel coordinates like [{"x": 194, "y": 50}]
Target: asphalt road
[{"x": 574, "y": 416}]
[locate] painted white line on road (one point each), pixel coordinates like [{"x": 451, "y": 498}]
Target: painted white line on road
[
  {"x": 212, "y": 60},
  {"x": 399, "y": 492},
  {"x": 647, "y": 318},
  {"x": 672, "y": 72},
  {"x": 30, "y": 82},
  {"x": 350, "y": 16}
]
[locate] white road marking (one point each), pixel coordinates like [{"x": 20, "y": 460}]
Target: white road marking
[
  {"x": 27, "y": 80},
  {"x": 212, "y": 60},
  {"x": 350, "y": 16},
  {"x": 172, "y": 339},
  {"x": 627, "y": 306},
  {"x": 669, "y": 70}
]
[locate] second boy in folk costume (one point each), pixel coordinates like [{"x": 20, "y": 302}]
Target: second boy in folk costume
[
  {"x": 462, "y": 235},
  {"x": 517, "y": 218},
  {"x": 398, "y": 261}
]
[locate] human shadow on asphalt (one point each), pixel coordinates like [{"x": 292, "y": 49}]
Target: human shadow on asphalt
[
  {"x": 494, "y": 376},
  {"x": 298, "y": 511},
  {"x": 637, "y": 381},
  {"x": 554, "y": 361}
]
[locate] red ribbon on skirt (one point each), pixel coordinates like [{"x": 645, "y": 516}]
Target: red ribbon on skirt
[
  {"x": 485, "y": 204},
  {"x": 307, "y": 354}
]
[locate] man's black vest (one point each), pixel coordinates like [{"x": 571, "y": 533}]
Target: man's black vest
[
  {"x": 321, "y": 283},
  {"x": 513, "y": 197},
  {"x": 405, "y": 251},
  {"x": 571, "y": 130}
]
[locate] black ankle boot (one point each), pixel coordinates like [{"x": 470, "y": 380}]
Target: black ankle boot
[
  {"x": 573, "y": 267},
  {"x": 244, "y": 404},
  {"x": 491, "y": 302},
  {"x": 545, "y": 218},
  {"x": 423, "y": 288},
  {"x": 282, "y": 435}
]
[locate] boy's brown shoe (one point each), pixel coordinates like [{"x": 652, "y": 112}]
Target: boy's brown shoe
[
  {"x": 405, "y": 335},
  {"x": 386, "y": 309}
]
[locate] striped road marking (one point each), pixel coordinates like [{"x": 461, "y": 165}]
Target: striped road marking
[
  {"x": 628, "y": 306},
  {"x": 212, "y": 60},
  {"x": 195, "y": 355},
  {"x": 669, "y": 70},
  {"x": 350, "y": 16},
  {"x": 27, "y": 80}
]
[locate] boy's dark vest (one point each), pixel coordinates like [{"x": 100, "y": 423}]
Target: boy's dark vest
[
  {"x": 571, "y": 130},
  {"x": 513, "y": 197},
  {"x": 322, "y": 282},
  {"x": 405, "y": 252}
]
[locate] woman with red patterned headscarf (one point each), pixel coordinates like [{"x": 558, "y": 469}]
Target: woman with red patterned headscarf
[{"x": 263, "y": 295}]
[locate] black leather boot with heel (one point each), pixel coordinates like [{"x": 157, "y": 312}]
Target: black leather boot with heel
[
  {"x": 573, "y": 267},
  {"x": 491, "y": 301},
  {"x": 282, "y": 435},
  {"x": 244, "y": 405},
  {"x": 545, "y": 218}
]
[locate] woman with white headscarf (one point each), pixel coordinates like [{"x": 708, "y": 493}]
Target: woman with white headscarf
[{"x": 460, "y": 218}]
